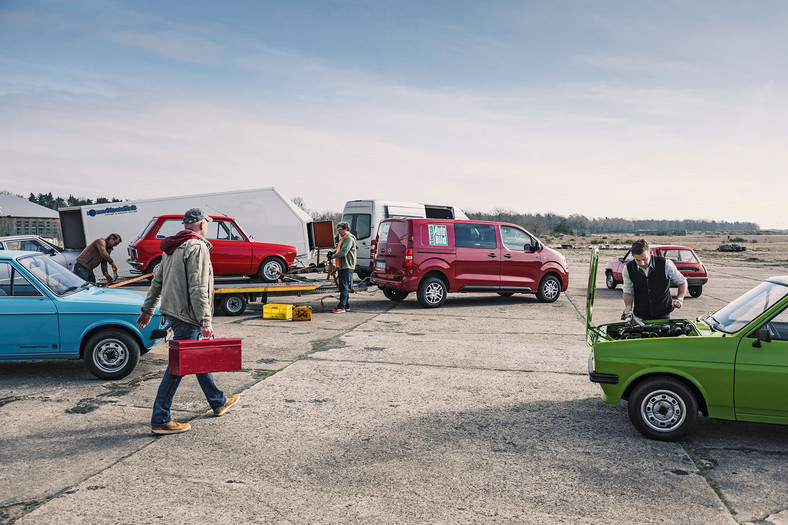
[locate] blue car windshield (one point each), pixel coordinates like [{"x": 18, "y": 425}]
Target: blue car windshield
[
  {"x": 59, "y": 280},
  {"x": 742, "y": 311}
]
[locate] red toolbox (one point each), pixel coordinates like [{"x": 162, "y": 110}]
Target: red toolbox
[{"x": 204, "y": 355}]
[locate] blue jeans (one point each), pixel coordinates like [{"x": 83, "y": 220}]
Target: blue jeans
[
  {"x": 344, "y": 279},
  {"x": 84, "y": 273},
  {"x": 169, "y": 383}
]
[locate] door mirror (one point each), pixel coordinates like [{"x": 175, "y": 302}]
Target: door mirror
[
  {"x": 52, "y": 252},
  {"x": 620, "y": 259},
  {"x": 761, "y": 334}
]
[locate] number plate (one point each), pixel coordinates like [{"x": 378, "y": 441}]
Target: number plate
[{"x": 380, "y": 265}]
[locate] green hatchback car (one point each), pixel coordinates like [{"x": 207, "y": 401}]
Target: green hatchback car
[{"x": 732, "y": 364}]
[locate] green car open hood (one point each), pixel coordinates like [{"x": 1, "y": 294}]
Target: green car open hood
[{"x": 592, "y": 333}]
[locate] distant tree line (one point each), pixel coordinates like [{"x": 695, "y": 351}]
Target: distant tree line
[
  {"x": 49, "y": 201},
  {"x": 576, "y": 224}
]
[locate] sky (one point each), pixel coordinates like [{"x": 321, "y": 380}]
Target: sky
[{"x": 640, "y": 110}]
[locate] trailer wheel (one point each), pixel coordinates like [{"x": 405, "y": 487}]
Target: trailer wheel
[
  {"x": 695, "y": 291},
  {"x": 233, "y": 304},
  {"x": 271, "y": 269}
]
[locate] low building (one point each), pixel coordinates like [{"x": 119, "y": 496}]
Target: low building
[{"x": 19, "y": 216}]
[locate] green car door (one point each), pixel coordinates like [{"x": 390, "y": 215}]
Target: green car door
[{"x": 761, "y": 377}]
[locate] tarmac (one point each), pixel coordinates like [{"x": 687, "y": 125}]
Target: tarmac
[{"x": 480, "y": 411}]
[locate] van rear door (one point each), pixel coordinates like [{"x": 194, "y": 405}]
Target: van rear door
[
  {"x": 478, "y": 262},
  {"x": 393, "y": 238}
]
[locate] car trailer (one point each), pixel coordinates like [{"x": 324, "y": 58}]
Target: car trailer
[{"x": 233, "y": 296}]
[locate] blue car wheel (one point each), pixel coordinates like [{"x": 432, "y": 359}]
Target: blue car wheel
[{"x": 111, "y": 353}]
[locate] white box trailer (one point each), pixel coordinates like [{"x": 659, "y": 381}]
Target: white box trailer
[{"x": 263, "y": 214}]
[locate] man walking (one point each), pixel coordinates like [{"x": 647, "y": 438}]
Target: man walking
[
  {"x": 647, "y": 281},
  {"x": 185, "y": 285},
  {"x": 97, "y": 253},
  {"x": 345, "y": 262}
]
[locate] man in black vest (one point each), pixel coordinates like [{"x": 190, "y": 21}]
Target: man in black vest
[{"x": 647, "y": 282}]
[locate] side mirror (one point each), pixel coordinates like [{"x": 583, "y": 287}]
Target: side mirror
[
  {"x": 52, "y": 251},
  {"x": 620, "y": 259},
  {"x": 761, "y": 334}
]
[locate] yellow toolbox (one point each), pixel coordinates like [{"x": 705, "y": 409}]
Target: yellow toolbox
[
  {"x": 302, "y": 313},
  {"x": 277, "y": 311}
]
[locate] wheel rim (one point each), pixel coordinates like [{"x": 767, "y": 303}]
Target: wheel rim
[
  {"x": 663, "y": 411},
  {"x": 610, "y": 280},
  {"x": 551, "y": 289},
  {"x": 272, "y": 270},
  {"x": 233, "y": 304},
  {"x": 433, "y": 294},
  {"x": 110, "y": 355}
]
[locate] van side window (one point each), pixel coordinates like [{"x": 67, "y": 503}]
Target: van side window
[
  {"x": 360, "y": 224},
  {"x": 469, "y": 235},
  {"x": 516, "y": 239}
]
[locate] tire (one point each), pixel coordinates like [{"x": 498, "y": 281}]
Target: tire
[
  {"x": 610, "y": 281},
  {"x": 271, "y": 269},
  {"x": 695, "y": 291},
  {"x": 395, "y": 295},
  {"x": 506, "y": 294},
  {"x": 153, "y": 267},
  {"x": 233, "y": 304},
  {"x": 432, "y": 292},
  {"x": 662, "y": 408},
  {"x": 549, "y": 289},
  {"x": 363, "y": 274},
  {"x": 111, "y": 353}
]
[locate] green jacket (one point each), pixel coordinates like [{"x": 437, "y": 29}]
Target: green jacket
[
  {"x": 184, "y": 283},
  {"x": 345, "y": 256}
]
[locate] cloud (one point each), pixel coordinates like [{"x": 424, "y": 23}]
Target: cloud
[{"x": 173, "y": 45}]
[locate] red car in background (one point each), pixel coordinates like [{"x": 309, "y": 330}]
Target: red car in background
[
  {"x": 233, "y": 253},
  {"x": 685, "y": 259}
]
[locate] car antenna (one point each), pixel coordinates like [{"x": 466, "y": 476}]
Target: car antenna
[{"x": 217, "y": 211}]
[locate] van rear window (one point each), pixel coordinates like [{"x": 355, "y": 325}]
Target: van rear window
[
  {"x": 393, "y": 231},
  {"x": 360, "y": 224}
]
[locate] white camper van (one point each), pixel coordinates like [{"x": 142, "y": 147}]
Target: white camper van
[
  {"x": 263, "y": 213},
  {"x": 365, "y": 215}
]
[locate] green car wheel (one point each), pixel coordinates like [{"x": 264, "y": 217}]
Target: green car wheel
[{"x": 663, "y": 408}]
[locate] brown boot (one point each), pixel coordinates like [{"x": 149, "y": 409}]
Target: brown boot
[{"x": 173, "y": 427}]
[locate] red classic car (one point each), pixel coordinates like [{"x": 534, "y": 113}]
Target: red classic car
[
  {"x": 687, "y": 262},
  {"x": 233, "y": 253}
]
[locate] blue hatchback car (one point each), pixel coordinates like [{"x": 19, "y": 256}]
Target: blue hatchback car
[{"x": 47, "y": 312}]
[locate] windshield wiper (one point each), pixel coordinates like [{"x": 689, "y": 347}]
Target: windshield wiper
[{"x": 714, "y": 324}]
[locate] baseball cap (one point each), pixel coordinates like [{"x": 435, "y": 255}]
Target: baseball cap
[{"x": 195, "y": 215}]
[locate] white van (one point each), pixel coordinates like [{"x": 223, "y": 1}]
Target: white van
[{"x": 364, "y": 216}]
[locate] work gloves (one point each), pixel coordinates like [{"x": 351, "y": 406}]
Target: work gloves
[{"x": 330, "y": 255}]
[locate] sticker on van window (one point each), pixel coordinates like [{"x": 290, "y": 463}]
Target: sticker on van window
[
  {"x": 383, "y": 235},
  {"x": 438, "y": 235}
]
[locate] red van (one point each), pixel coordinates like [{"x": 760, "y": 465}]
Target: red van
[
  {"x": 433, "y": 257},
  {"x": 233, "y": 253}
]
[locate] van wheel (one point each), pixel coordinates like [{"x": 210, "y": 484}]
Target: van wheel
[
  {"x": 662, "y": 408},
  {"x": 549, "y": 289},
  {"x": 610, "y": 281},
  {"x": 695, "y": 291},
  {"x": 395, "y": 295},
  {"x": 271, "y": 269},
  {"x": 432, "y": 292},
  {"x": 233, "y": 304},
  {"x": 111, "y": 353},
  {"x": 363, "y": 274}
]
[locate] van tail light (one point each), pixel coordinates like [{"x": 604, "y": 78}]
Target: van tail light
[
  {"x": 409, "y": 257},
  {"x": 374, "y": 247}
]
